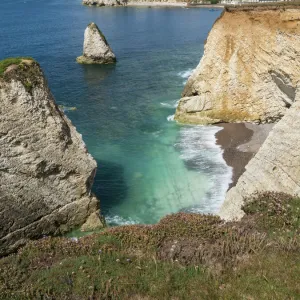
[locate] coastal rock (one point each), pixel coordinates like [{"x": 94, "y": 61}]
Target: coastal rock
[
  {"x": 103, "y": 2},
  {"x": 46, "y": 173},
  {"x": 275, "y": 167},
  {"x": 250, "y": 67},
  {"x": 134, "y": 2},
  {"x": 95, "y": 48}
]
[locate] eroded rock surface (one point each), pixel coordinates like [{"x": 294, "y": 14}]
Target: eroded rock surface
[
  {"x": 95, "y": 48},
  {"x": 135, "y": 2},
  {"x": 103, "y": 2},
  {"x": 46, "y": 173},
  {"x": 250, "y": 68},
  {"x": 275, "y": 167}
]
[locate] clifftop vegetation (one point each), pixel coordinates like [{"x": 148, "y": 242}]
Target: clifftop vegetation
[
  {"x": 185, "y": 256},
  {"x": 4, "y": 64}
]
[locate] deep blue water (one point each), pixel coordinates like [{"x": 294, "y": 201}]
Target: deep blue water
[{"x": 148, "y": 166}]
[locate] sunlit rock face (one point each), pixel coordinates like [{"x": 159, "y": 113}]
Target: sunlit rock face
[
  {"x": 275, "y": 167},
  {"x": 95, "y": 48},
  {"x": 46, "y": 173},
  {"x": 250, "y": 68}
]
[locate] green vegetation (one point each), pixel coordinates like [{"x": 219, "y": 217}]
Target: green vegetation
[
  {"x": 27, "y": 71},
  {"x": 214, "y": 1},
  {"x": 185, "y": 256},
  {"x": 4, "y": 64}
]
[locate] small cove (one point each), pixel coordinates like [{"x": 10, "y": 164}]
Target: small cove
[{"x": 148, "y": 166}]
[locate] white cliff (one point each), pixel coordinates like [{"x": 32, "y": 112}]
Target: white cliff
[
  {"x": 250, "y": 68},
  {"x": 275, "y": 167},
  {"x": 46, "y": 173}
]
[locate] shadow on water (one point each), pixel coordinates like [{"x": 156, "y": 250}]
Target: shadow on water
[
  {"x": 93, "y": 74},
  {"x": 109, "y": 185}
]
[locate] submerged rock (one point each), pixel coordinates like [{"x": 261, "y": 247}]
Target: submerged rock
[
  {"x": 46, "y": 173},
  {"x": 95, "y": 48},
  {"x": 250, "y": 67}
]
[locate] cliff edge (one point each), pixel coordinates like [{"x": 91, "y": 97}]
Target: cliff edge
[
  {"x": 250, "y": 68},
  {"x": 46, "y": 173}
]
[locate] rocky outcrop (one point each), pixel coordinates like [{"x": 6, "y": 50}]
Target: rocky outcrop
[
  {"x": 275, "y": 167},
  {"x": 134, "y": 2},
  {"x": 46, "y": 173},
  {"x": 95, "y": 48},
  {"x": 250, "y": 68},
  {"x": 103, "y": 2}
]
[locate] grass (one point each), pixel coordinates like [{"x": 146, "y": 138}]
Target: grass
[
  {"x": 4, "y": 64},
  {"x": 185, "y": 256},
  {"x": 29, "y": 74}
]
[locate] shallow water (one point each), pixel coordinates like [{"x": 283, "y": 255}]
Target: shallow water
[{"x": 148, "y": 166}]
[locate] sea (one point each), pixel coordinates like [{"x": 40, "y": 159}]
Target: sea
[{"x": 149, "y": 166}]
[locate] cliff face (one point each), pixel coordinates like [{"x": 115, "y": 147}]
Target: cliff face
[
  {"x": 46, "y": 173},
  {"x": 275, "y": 167},
  {"x": 250, "y": 68}
]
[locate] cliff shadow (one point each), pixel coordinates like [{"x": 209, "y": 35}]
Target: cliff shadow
[{"x": 109, "y": 185}]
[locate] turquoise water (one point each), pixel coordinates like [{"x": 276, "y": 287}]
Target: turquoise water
[{"x": 148, "y": 166}]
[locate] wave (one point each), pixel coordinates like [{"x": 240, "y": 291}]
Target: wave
[
  {"x": 170, "y": 118},
  {"x": 186, "y": 74},
  {"x": 115, "y": 220},
  {"x": 171, "y": 104},
  {"x": 200, "y": 153}
]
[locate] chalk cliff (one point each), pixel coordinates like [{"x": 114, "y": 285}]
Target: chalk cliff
[
  {"x": 46, "y": 173},
  {"x": 250, "y": 68},
  {"x": 275, "y": 167},
  {"x": 95, "y": 47}
]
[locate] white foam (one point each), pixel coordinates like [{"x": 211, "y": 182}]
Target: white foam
[
  {"x": 198, "y": 148},
  {"x": 171, "y": 104},
  {"x": 186, "y": 74},
  {"x": 170, "y": 118},
  {"x": 118, "y": 220}
]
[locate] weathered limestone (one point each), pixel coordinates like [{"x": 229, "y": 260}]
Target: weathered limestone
[
  {"x": 46, "y": 173},
  {"x": 275, "y": 167},
  {"x": 135, "y": 2},
  {"x": 249, "y": 71},
  {"x": 103, "y": 2},
  {"x": 95, "y": 48}
]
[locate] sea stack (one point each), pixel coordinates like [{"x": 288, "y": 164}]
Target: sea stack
[
  {"x": 95, "y": 47},
  {"x": 46, "y": 173}
]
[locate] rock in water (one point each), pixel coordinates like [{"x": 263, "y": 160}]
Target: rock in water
[
  {"x": 46, "y": 173},
  {"x": 104, "y": 2},
  {"x": 95, "y": 48}
]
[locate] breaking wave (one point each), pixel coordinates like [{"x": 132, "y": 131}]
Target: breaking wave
[
  {"x": 200, "y": 153},
  {"x": 115, "y": 220},
  {"x": 170, "y": 118}
]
